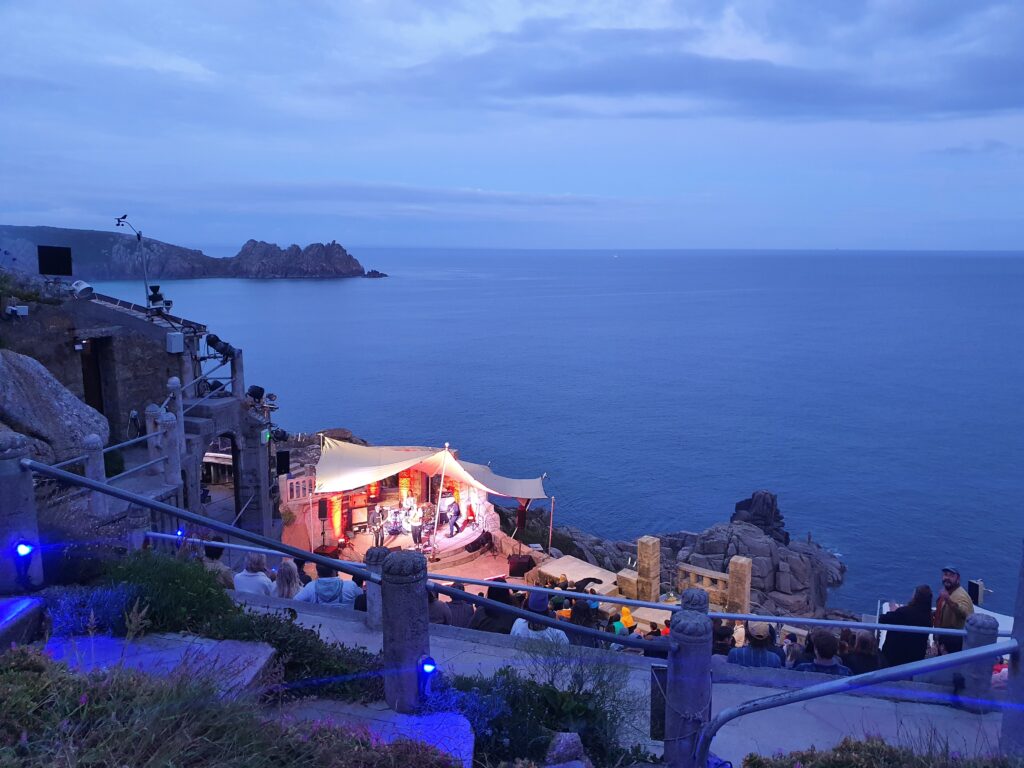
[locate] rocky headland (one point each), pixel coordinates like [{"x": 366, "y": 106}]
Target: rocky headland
[{"x": 116, "y": 256}]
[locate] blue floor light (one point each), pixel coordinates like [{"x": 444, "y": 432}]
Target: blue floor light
[
  {"x": 426, "y": 670},
  {"x": 23, "y": 551}
]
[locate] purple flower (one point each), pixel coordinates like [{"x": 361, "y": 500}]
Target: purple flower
[{"x": 83, "y": 699}]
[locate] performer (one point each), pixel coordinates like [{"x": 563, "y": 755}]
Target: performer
[
  {"x": 416, "y": 524},
  {"x": 453, "y": 518},
  {"x": 376, "y": 524}
]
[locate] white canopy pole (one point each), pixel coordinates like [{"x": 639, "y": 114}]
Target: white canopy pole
[{"x": 437, "y": 507}]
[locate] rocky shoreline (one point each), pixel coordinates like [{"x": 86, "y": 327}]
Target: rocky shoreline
[{"x": 789, "y": 577}]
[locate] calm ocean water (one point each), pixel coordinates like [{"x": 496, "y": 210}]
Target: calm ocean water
[{"x": 877, "y": 394}]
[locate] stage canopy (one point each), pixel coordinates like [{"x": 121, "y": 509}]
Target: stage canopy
[{"x": 345, "y": 466}]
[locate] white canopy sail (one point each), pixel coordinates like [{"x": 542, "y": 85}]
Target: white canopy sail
[{"x": 345, "y": 466}]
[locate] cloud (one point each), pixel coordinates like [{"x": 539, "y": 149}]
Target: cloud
[
  {"x": 162, "y": 62},
  {"x": 988, "y": 147}
]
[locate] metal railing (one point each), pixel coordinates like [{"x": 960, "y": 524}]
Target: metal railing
[
  {"x": 212, "y": 393},
  {"x": 68, "y": 462},
  {"x": 847, "y": 684},
  {"x": 134, "y": 441},
  {"x": 138, "y": 468}
]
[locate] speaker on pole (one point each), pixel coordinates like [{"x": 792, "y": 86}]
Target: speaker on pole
[
  {"x": 321, "y": 509},
  {"x": 284, "y": 462}
]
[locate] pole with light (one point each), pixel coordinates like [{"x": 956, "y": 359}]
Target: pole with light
[
  {"x": 437, "y": 508},
  {"x": 122, "y": 221}
]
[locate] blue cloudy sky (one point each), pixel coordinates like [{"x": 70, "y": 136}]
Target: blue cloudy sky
[{"x": 768, "y": 124}]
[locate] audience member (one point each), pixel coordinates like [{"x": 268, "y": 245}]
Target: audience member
[
  {"x": 667, "y": 628},
  {"x": 825, "y": 662},
  {"x": 535, "y": 631},
  {"x": 653, "y": 631},
  {"x": 212, "y": 562},
  {"x": 758, "y": 651},
  {"x": 437, "y": 610},
  {"x": 582, "y": 615},
  {"x": 489, "y": 619},
  {"x": 952, "y": 608},
  {"x": 793, "y": 652},
  {"x": 254, "y": 578},
  {"x": 905, "y": 647},
  {"x": 864, "y": 656},
  {"x": 721, "y": 638},
  {"x": 329, "y": 588},
  {"x": 287, "y": 584},
  {"x": 359, "y": 604},
  {"x": 304, "y": 577},
  {"x": 847, "y": 639},
  {"x": 461, "y": 609}
]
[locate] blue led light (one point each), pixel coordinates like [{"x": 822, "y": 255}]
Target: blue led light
[
  {"x": 23, "y": 549},
  {"x": 428, "y": 666},
  {"x": 181, "y": 532}
]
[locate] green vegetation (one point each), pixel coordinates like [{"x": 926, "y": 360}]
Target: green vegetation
[
  {"x": 876, "y": 753},
  {"x": 51, "y": 716},
  {"x": 514, "y": 714},
  {"x": 182, "y": 596}
]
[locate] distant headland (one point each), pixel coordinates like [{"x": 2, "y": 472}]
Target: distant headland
[{"x": 115, "y": 256}]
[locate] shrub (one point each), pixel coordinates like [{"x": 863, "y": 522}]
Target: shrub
[
  {"x": 75, "y": 610},
  {"x": 182, "y": 595},
  {"x": 50, "y": 716},
  {"x": 876, "y": 753}
]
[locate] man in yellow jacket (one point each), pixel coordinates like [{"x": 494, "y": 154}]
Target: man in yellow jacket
[{"x": 951, "y": 610}]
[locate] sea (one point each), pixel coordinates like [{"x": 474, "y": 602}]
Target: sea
[{"x": 877, "y": 394}]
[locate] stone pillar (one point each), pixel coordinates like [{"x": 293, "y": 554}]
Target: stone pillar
[
  {"x": 237, "y": 375},
  {"x": 169, "y": 445},
  {"x": 688, "y": 694},
  {"x": 1011, "y": 738},
  {"x": 738, "y": 600},
  {"x": 95, "y": 470},
  {"x": 648, "y": 568},
  {"x": 18, "y": 521},
  {"x": 981, "y": 630},
  {"x": 138, "y": 523},
  {"x": 374, "y": 560},
  {"x": 178, "y": 409},
  {"x": 406, "y": 627}
]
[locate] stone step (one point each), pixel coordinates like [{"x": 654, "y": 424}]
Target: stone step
[
  {"x": 234, "y": 665},
  {"x": 21, "y": 620}
]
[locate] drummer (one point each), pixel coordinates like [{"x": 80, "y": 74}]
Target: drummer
[{"x": 416, "y": 524}]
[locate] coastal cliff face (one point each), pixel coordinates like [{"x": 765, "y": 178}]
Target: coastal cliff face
[{"x": 115, "y": 256}]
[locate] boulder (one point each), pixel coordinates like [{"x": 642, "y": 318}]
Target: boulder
[
  {"x": 34, "y": 403},
  {"x": 565, "y": 747}
]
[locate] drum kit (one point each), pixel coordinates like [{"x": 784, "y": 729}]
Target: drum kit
[{"x": 398, "y": 520}]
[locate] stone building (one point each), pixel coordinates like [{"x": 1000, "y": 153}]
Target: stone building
[{"x": 122, "y": 359}]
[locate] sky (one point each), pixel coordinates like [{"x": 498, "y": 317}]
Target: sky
[{"x": 850, "y": 124}]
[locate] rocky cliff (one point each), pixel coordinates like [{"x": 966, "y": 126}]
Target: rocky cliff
[
  {"x": 789, "y": 577},
  {"x": 115, "y": 256}
]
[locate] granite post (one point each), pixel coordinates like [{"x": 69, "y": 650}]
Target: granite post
[
  {"x": 95, "y": 470},
  {"x": 18, "y": 521},
  {"x": 237, "y": 375},
  {"x": 178, "y": 409},
  {"x": 1011, "y": 738},
  {"x": 374, "y": 560},
  {"x": 981, "y": 630},
  {"x": 152, "y": 418},
  {"x": 170, "y": 450},
  {"x": 406, "y": 627},
  {"x": 738, "y": 598},
  {"x": 688, "y": 694}
]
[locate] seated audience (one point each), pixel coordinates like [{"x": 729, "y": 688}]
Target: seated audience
[
  {"x": 721, "y": 638},
  {"x": 534, "y": 631},
  {"x": 582, "y": 615},
  {"x": 758, "y": 652},
  {"x": 329, "y": 588},
  {"x": 461, "y": 610},
  {"x": 437, "y": 610},
  {"x": 488, "y": 619},
  {"x": 212, "y": 562},
  {"x": 300, "y": 565},
  {"x": 359, "y": 604},
  {"x": 825, "y": 661},
  {"x": 905, "y": 647},
  {"x": 864, "y": 657},
  {"x": 287, "y": 583},
  {"x": 254, "y": 578}
]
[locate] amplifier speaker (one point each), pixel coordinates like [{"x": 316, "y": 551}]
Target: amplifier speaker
[
  {"x": 479, "y": 542},
  {"x": 284, "y": 462},
  {"x": 321, "y": 509},
  {"x": 518, "y": 565}
]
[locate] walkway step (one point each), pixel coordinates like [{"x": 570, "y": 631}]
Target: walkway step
[
  {"x": 21, "y": 620},
  {"x": 449, "y": 732},
  {"x": 234, "y": 665}
]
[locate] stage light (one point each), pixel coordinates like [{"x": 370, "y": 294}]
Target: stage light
[{"x": 24, "y": 549}]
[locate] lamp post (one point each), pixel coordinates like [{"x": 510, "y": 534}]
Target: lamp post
[{"x": 122, "y": 221}]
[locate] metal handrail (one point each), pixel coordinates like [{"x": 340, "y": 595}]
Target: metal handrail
[
  {"x": 205, "y": 397},
  {"x": 203, "y": 377},
  {"x": 140, "y": 467},
  {"x": 843, "y": 624},
  {"x": 845, "y": 685},
  {"x": 133, "y": 441},
  {"x": 68, "y": 462}
]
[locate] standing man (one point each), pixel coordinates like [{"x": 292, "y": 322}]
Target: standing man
[
  {"x": 951, "y": 610},
  {"x": 416, "y": 525},
  {"x": 453, "y": 518},
  {"x": 376, "y": 522}
]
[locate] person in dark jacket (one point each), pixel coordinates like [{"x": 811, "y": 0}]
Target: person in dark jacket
[
  {"x": 488, "y": 619},
  {"x": 905, "y": 647},
  {"x": 582, "y": 615},
  {"x": 461, "y": 610},
  {"x": 864, "y": 657}
]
